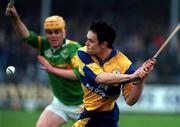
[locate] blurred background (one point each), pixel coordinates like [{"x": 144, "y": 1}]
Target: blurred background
[{"x": 142, "y": 26}]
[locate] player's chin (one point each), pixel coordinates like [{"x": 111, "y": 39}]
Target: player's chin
[
  {"x": 55, "y": 44},
  {"x": 90, "y": 52}
]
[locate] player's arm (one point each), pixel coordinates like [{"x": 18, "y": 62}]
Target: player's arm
[
  {"x": 110, "y": 78},
  {"x": 133, "y": 92},
  {"x": 142, "y": 72},
  {"x": 18, "y": 25},
  {"x": 66, "y": 73},
  {"x": 95, "y": 72}
]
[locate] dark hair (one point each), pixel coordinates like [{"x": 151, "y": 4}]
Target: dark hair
[{"x": 104, "y": 32}]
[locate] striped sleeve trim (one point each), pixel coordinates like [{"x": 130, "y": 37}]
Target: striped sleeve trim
[
  {"x": 39, "y": 42},
  {"x": 85, "y": 58},
  {"x": 130, "y": 70}
]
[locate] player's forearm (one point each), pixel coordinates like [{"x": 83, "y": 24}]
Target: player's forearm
[
  {"x": 110, "y": 78},
  {"x": 135, "y": 93},
  {"x": 20, "y": 27},
  {"x": 69, "y": 74}
]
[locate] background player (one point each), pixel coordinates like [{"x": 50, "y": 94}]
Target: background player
[
  {"x": 58, "y": 57},
  {"x": 104, "y": 71}
]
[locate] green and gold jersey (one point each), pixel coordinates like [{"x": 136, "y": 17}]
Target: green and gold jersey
[
  {"x": 101, "y": 97},
  {"x": 67, "y": 91}
]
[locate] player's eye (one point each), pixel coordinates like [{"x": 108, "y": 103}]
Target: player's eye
[
  {"x": 90, "y": 40},
  {"x": 57, "y": 31}
]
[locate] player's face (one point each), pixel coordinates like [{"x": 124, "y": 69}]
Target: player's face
[
  {"x": 92, "y": 43},
  {"x": 55, "y": 37}
]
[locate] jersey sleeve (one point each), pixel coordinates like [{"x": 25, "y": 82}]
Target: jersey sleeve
[
  {"x": 74, "y": 62},
  {"x": 34, "y": 40},
  {"x": 73, "y": 47},
  {"x": 87, "y": 66},
  {"x": 126, "y": 88},
  {"x": 73, "y": 54}
]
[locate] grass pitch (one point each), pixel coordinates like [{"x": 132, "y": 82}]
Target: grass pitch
[{"x": 9, "y": 118}]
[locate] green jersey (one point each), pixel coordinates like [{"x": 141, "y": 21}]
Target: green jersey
[{"x": 67, "y": 91}]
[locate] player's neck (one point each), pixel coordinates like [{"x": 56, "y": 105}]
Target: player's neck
[{"x": 105, "y": 54}]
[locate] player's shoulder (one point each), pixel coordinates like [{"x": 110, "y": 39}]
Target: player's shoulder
[
  {"x": 83, "y": 49},
  {"x": 121, "y": 54},
  {"x": 71, "y": 42},
  {"x": 84, "y": 56},
  {"x": 82, "y": 52},
  {"x": 123, "y": 57},
  {"x": 44, "y": 39}
]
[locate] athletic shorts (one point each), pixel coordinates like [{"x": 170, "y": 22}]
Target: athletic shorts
[
  {"x": 99, "y": 119},
  {"x": 64, "y": 111}
]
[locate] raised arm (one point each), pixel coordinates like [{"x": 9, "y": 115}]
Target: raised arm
[{"x": 18, "y": 25}]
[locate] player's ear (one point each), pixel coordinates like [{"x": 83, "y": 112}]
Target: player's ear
[
  {"x": 104, "y": 44},
  {"x": 64, "y": 33}
]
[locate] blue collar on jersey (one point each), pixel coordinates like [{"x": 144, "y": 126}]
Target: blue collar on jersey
[{"x": 113, "y": 53}]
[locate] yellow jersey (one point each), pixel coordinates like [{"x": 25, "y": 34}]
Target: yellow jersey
[{"x": 99, "y": 97}]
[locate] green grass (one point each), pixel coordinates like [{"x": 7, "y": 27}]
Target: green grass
[
  {"x": 149, "y": 120},
  {"x": 9, "y": 118}
]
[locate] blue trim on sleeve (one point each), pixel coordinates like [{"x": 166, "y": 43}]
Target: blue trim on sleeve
[
  {"x": 130, "y": 70},
  {"x": 85, "y": 58},
  {"x": 89, "y": 73}
]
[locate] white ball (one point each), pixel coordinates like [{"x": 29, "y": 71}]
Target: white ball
[{"x": 10, "y": 70}]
